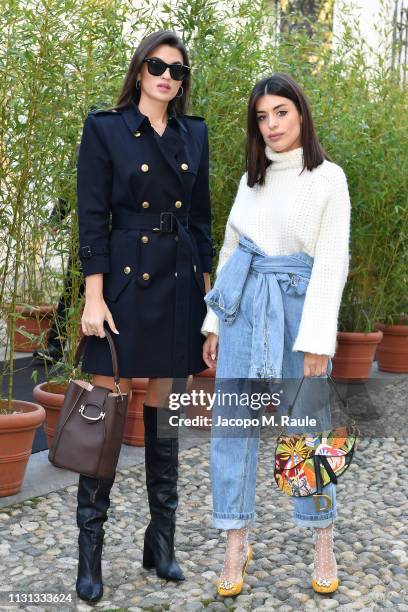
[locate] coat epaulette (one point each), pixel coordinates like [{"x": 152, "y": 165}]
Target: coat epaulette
[
  {"x": 195, "y": 117},
  {"x": 99, "y": 111}
]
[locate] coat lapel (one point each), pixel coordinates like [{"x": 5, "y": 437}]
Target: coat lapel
[
  {"x": 132, "y": 117},
  {"x": 174, "y": 145}
]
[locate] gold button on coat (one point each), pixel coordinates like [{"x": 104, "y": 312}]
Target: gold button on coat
[
  {"x": 126, "y": 269},
  {"x": 146, "y": 276},
  {"x": 145, "y": 239},
  {"x": 178, "y": 204},
  {"x": 144, "y": 167},
  {"x": 184, "y": 166},
  {"x": 145, "y": 204},
  {"x": 138, "y": 134}
]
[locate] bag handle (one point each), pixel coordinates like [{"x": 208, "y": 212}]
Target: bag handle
[
  {"x": 329, "y": 378},
  {"x": 80, "y": 350}
]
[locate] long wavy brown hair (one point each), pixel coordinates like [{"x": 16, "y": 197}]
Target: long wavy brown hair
[
  {"x": 129, "y": 93},
  {"x": 279, "y": 84}
]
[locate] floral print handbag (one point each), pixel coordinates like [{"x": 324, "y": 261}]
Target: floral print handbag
[{"x": 305, "y": 463}]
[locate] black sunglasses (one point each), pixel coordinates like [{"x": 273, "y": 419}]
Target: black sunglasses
[{"x": 156, "y": 67}]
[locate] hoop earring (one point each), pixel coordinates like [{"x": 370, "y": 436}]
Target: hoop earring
[
  {"x": 180, "y": 94},
  {"x": 137, "y": 85}
]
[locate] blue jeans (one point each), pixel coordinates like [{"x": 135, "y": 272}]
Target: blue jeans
[{"x": 234, "y": 449}]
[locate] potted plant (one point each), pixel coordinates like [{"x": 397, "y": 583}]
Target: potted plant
[
  {"x": 35, "y": 300},
  {"x": 18, "y": 419},
  {"x": 392, "y": 352},
  {"x": 34, "y": 306},
  {"x": 357, "y": 338},
  {"x": 372, "y": 320},
  {"x": 31, "y": 328},
  {"x": 18, "y": 422},
  {"x": 51, "y": 393},
  {"x": 377, "y": 285}
]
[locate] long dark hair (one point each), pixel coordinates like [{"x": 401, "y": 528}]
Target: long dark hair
[
  {"x": 130, "y": 94},
  {"x": 279, "y": 84}
]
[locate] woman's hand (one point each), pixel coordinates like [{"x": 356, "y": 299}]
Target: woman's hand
[
  {"x": 94, "y": 314},
  {"x": 210, "y": 350},
  {"x": 95, "y": 310},
  {"x": 315, "y": 365}
]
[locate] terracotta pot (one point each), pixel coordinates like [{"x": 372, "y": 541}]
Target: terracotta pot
[
  {"x": 392, "y": 352},
  {"x": 204, "y": 381},
  {"x": 354, "y": 355},
  {"x": 134, "y": 426},
  {"x": 51, "y": 397},
  {"x": 17, "y": 432},
  {"x": 34, "y": 322}
]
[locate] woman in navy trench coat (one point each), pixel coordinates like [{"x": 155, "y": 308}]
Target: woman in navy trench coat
[{"x": 145, "y": 247}]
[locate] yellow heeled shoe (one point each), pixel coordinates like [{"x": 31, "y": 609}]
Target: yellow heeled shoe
[
  {"x": 225, "y": 588},
  {"x": 324, "y": 538},
  {"x": 325, "y": 586}
]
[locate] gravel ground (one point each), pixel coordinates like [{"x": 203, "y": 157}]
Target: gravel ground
[{"x": 38, "y": 541}]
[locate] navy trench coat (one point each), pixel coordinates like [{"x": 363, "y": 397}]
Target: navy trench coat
[{"x": 145, "y": 223}]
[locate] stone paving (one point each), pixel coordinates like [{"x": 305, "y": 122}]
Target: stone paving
[{"x": 38, "y": 550}]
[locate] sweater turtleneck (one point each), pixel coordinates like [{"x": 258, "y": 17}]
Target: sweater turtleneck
[{"x": 286, "y": 160}]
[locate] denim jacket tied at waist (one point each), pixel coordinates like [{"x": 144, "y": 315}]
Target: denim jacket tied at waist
[{"x": 278, "y": 274}]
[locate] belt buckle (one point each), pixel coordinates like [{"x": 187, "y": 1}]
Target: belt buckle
[{"x": 163, "y": 222}]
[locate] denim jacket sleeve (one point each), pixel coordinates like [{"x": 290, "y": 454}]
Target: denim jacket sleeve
[{"x": 231, "y": 240}]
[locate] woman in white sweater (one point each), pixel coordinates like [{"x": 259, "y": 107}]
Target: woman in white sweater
[{"x": 292, "y": 208}]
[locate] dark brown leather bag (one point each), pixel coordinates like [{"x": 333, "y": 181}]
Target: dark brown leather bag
[{"x": 89, "y": 432}]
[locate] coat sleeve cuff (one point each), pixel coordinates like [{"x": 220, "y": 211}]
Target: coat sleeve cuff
[
  {"x": 206, "y": 263},
  {"x": 97, "y": 264}
]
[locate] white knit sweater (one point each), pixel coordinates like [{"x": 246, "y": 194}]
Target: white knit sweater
[{"x": 294, "y": 212}]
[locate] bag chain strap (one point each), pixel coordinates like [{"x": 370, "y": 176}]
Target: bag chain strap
[{"x": 329, "y": 377}]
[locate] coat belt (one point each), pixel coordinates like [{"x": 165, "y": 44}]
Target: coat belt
[
  {"x": 187, "y": 257},
  {"x": 165, "y": 221}
]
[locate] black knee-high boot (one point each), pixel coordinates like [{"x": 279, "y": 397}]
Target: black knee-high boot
[
  {"x": 93, "y": 504},
  {"x": 161, "y": 461}
]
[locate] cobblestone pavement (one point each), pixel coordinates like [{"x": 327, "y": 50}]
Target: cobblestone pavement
[{"x": 38, "y": 550}]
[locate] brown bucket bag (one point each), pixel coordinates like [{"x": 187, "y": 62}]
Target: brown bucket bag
[{"x": 89, "y": 432}]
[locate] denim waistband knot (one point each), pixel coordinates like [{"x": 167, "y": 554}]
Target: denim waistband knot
[{"x": 276, "y": 274}]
